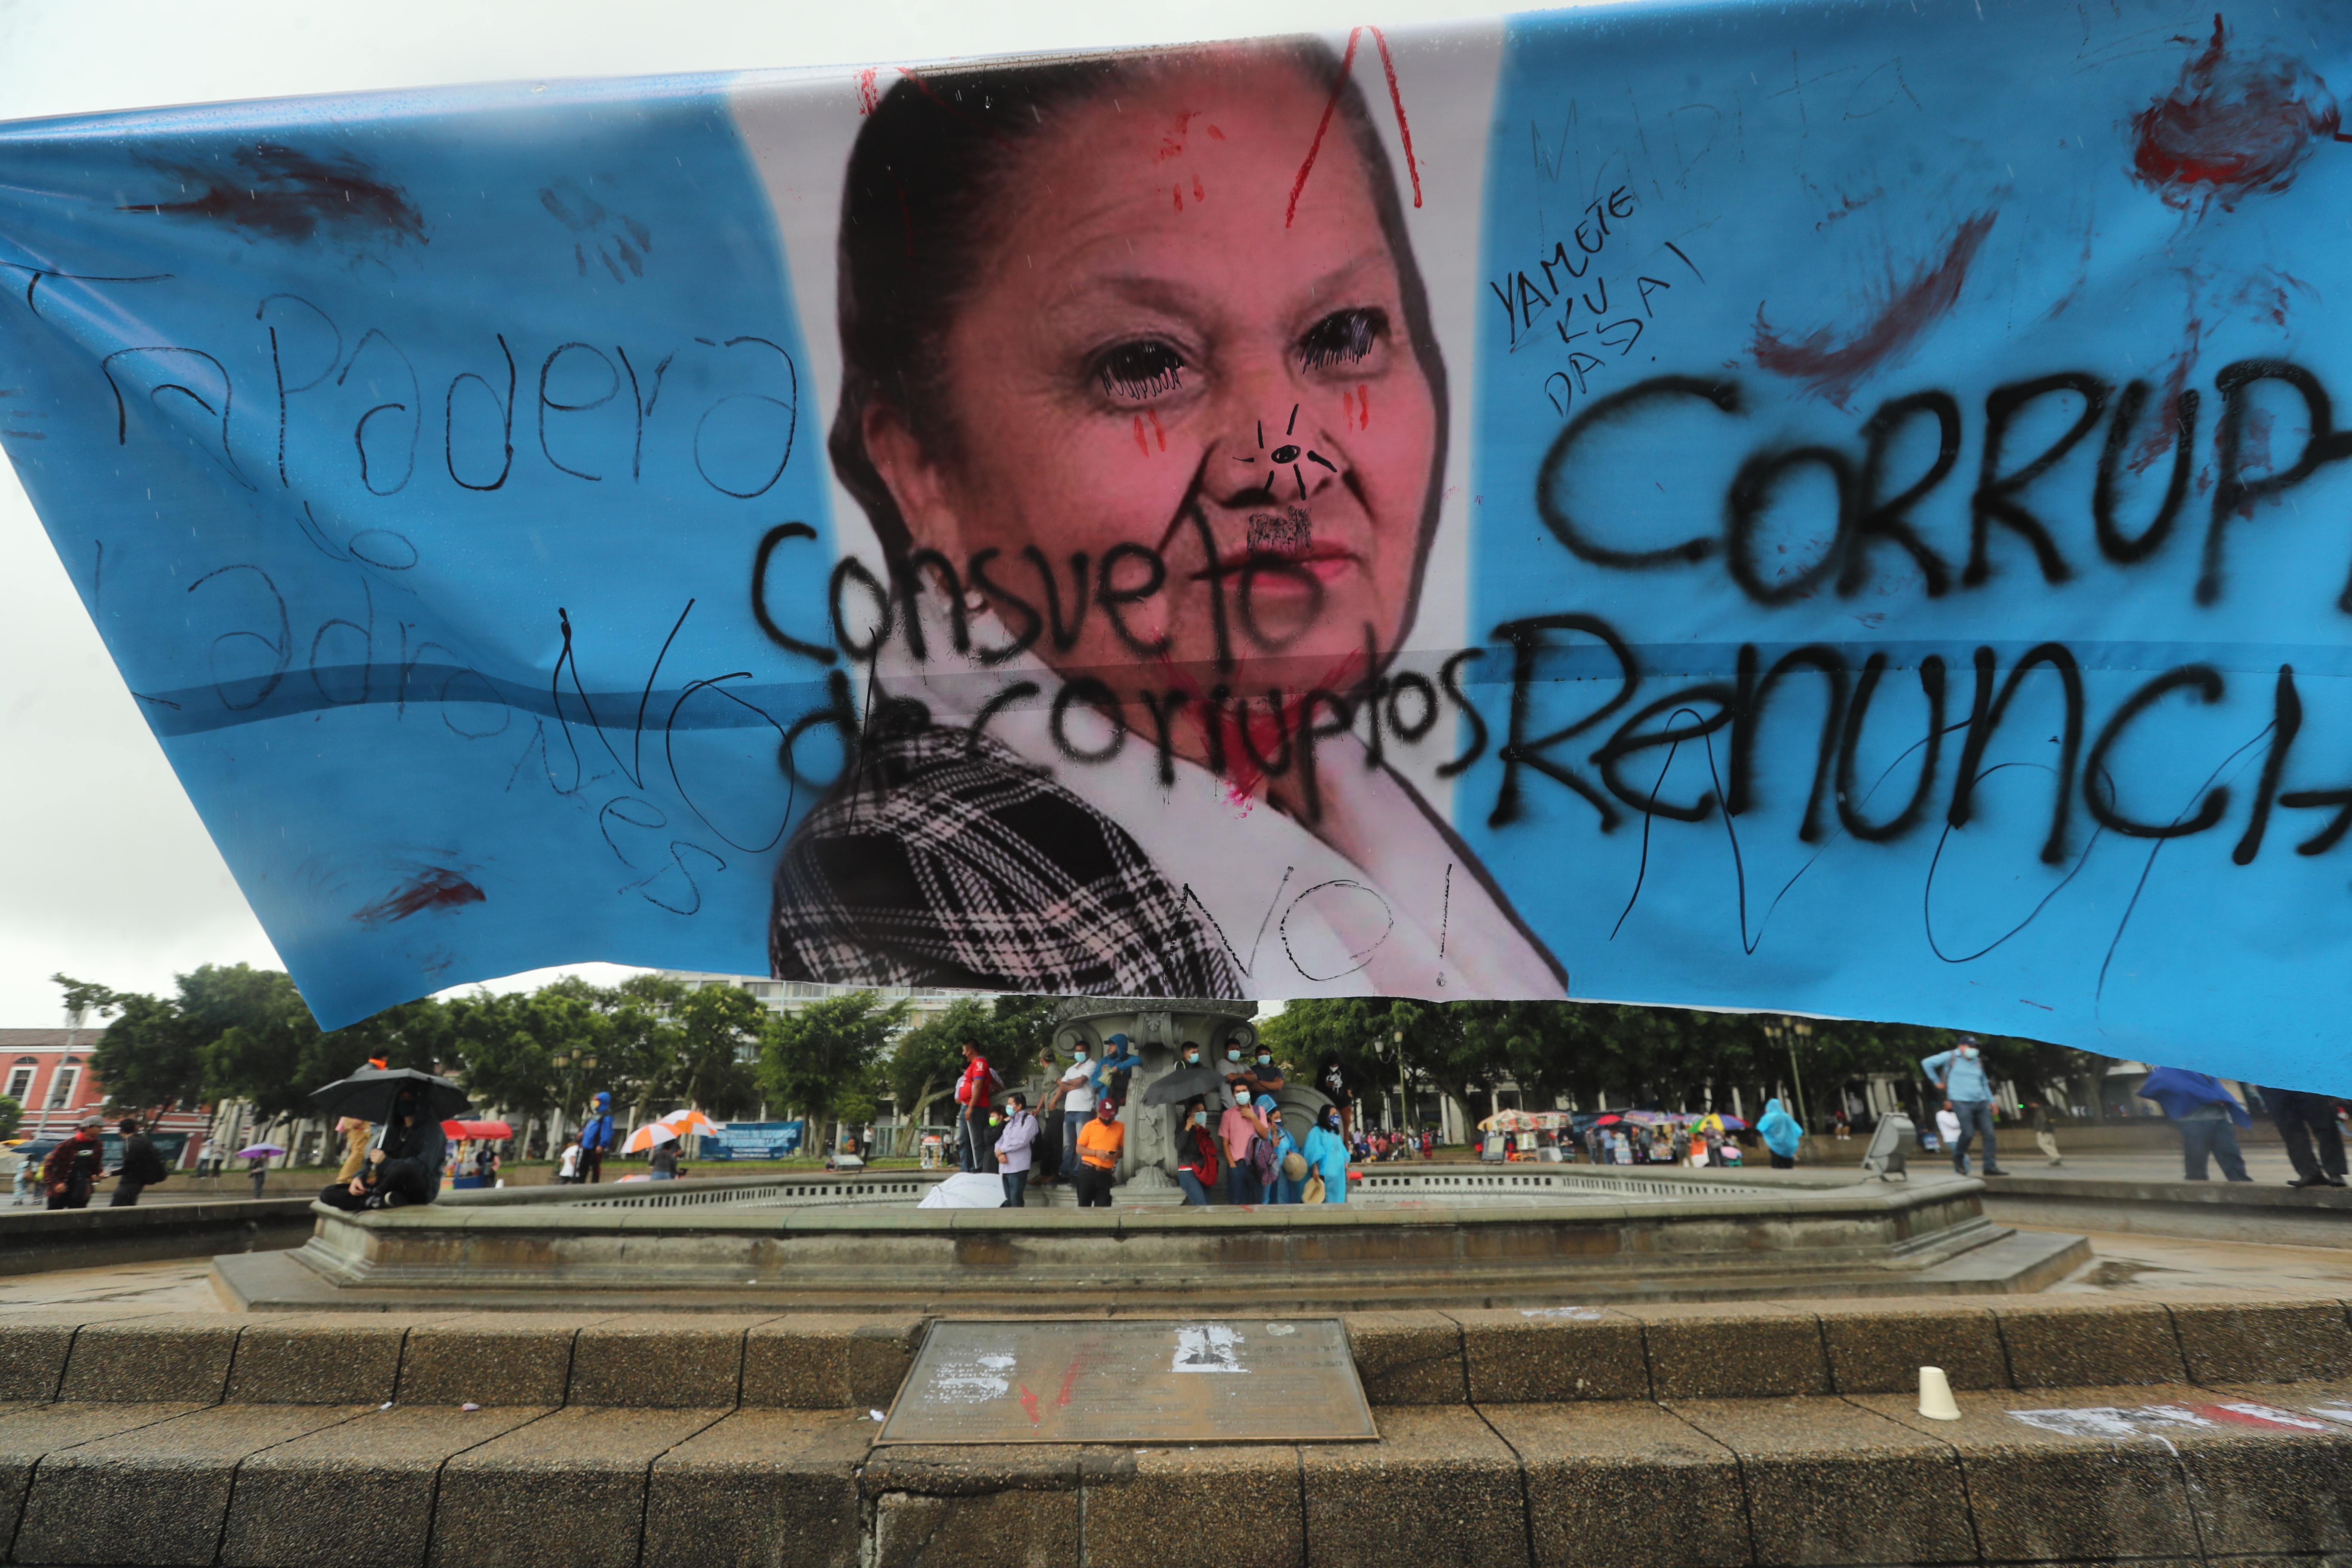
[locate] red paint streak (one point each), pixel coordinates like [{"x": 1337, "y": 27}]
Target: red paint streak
[
  {"x": 1364, "y": 405},
  {"x": 1078, "y": 1363},
  {"x": 1404, "y": 127},
  {"x": 1199, "y": 195},
  {"x": 434, "y": 887},
  {"x": 1141, "y": 445},
  {"x": 2232, "y": 126},
  {"x": 2168, "y": 424},
  {"x": 868, "y": 98},
  {"x": 1029, "y": 1403},
  {"x": 1216, "y": 134},
  {"x": 1347, "y": 409},
  {"x": 1330, "y": 106},
  {"x": 1156, "y": 430},
  {"x": 1834, "y": 368}
]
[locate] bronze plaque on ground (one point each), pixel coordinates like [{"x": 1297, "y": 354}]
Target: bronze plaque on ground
[{"x": 1176, "y": 1380}]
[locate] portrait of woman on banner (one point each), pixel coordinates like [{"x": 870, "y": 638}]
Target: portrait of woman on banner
[{"x": 1149, "y": 421}]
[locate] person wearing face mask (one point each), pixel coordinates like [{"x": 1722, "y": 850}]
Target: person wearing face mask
[
  {"x": 1076, "y": 1092},
  {"x": 1100, "y": 1142},
  {"x": 1266, "y": 1078},
  {"x": 1283, "y": 1186},
  {"x": 1327, "y": 1158},
  {"x": 1014, "y": 1138},
  {"x": 1240, "y": 1123},
  {"x": 1196, "y": 1155},
  {"x": 1960, "y": 1074}
]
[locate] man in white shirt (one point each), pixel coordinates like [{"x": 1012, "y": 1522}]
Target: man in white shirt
[
  {"x": 568, "y": 1171},
  {"x": 1076, "y": 1093}
]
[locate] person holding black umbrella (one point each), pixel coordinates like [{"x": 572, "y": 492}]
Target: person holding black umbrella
[
  {"x": 409, "y": 1106},
  {"x": 405, "y": 1167}
]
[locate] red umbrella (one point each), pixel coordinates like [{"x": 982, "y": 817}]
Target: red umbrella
[
  {"x": 477, "y": 1130},
  {"x": 1610, "y": 1119}
]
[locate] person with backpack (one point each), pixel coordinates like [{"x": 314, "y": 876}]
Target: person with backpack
[
  {"x": 141, "y": 1166},
  {"x": 1236, "y": 1129}
]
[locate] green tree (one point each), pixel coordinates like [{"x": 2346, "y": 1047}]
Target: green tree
[
  {"x": 814, "y": 1060},
  {"x": 147, "y": 1058},
  {"x": 716, "y": 1043},
  {"x": 12, "y": 1116}
]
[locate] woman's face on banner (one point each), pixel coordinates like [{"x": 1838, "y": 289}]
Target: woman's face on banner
[{"x": 1157, "y": 356}]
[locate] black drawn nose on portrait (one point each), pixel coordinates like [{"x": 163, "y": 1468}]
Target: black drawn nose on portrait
[{"x": 1287, "y": 456}]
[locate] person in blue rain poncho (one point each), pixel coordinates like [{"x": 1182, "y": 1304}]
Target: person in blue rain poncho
[
  {"x": 1781, "y": 1134},
  {"x": 1326, "y": 1155},
  {"x": 2208, "y": 1117},
  {"x": 1284, "y": 1188}
]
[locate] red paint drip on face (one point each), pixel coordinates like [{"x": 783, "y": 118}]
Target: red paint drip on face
[
  {"x": 1834, "y": 368},
  {"x": 1141, "y": 445},
  {"x": 1160, "y": 435},
  {"x": 1404, "y": 126},
  {"x": 1364, "y": 405},
  {"x": 2232, "y": 127}
]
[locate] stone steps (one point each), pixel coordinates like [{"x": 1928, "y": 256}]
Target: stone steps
[{"x": 1714, "y": 1435}]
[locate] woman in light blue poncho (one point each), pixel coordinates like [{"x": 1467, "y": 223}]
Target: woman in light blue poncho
[
  {"x": 1781, "y": 1134},
  {"x": 1326, "y": 1155}
]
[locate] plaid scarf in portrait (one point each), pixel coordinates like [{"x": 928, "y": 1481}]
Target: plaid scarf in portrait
[{"x": 947, "y": 861}]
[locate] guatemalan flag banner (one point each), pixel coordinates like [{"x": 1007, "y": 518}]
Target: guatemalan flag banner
[{"x": 1837, "y": 509}]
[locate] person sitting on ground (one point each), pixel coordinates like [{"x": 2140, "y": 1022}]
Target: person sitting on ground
[
  {"x": 1196, "y": 1155},
  {"x": 74, "y": 1165},
  {"x": 1015, "y": 1142},
  {"x": 1239, "y": 1124},
  {"x": 405, "y": 1167},
  {"x": 1327, "y": 1158},
  {"x": 1283, "y": 1188},
  {"x": 1100, "y": 1142}
]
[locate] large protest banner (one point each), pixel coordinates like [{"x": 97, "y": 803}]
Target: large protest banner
[{"x": 1835, "y": 509}]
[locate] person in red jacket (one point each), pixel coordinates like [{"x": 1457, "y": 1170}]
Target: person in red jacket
[
  {"x": 973, "y": 1091},
  {"x": 74, "y": 1165}
]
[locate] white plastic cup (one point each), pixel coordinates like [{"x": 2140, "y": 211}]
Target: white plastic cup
[{"x": 1935, "y": 1401}]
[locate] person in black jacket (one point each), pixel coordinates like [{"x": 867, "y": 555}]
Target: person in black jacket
[
  {"x": 141, "y": 1166},
  {"x": 405, "y": 1167}
]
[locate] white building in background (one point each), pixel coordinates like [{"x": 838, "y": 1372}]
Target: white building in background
[{"x": 791, "y": 995}]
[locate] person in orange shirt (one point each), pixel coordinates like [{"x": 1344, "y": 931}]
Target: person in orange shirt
[{"x": 1100, "y": 1142}]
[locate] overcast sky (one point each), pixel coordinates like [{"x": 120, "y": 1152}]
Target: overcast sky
[{"x": 105, "y": 872}]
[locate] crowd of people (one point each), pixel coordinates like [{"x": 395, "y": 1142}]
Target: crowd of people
[{"x": 1230, "y": 1140}]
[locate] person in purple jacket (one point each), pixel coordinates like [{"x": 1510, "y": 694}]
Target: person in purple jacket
[{"x": 1013, "y": 1150}]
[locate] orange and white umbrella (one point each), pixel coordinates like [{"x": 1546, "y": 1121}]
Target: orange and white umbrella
[
  {"x": 645, "y": 1137},
  {"x": 686, "y": 1123}
]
